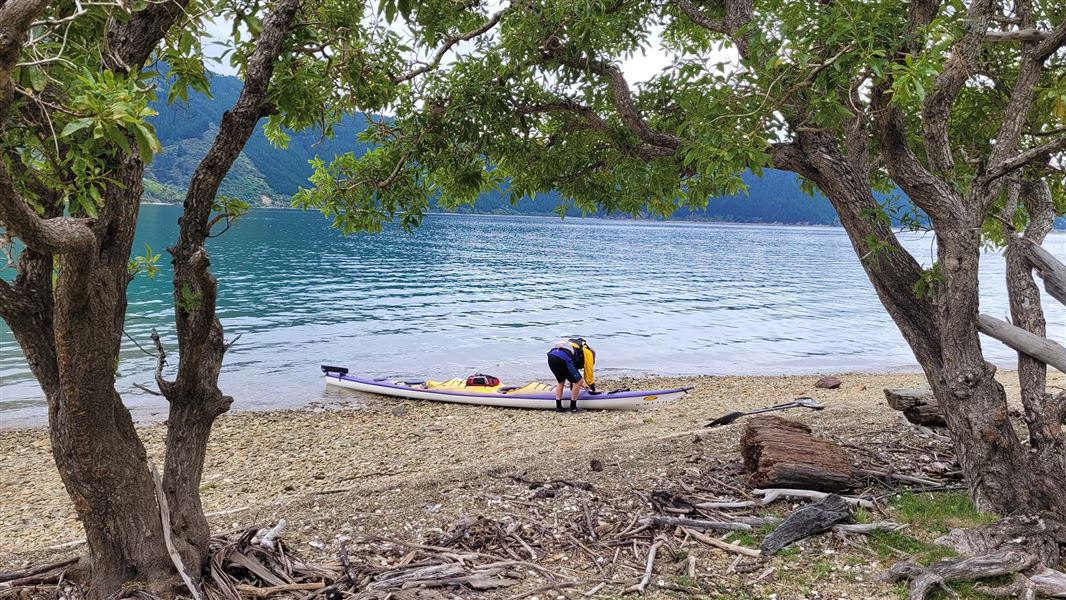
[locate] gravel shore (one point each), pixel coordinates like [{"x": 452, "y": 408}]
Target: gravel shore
[{"x": 407, "y": 467}]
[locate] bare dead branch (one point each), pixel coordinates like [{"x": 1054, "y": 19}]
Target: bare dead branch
[{"x": 1030, "y": 34}]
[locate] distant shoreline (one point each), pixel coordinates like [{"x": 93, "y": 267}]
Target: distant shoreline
[{"x": 582, "y": 217}]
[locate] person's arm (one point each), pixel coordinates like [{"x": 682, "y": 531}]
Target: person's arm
[{"x": 590, "y": 358}]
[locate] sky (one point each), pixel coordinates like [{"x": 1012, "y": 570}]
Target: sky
[{"x": 637, "y": 69}]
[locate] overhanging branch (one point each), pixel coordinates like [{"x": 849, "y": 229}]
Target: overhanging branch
[
  {"x": 1032, "y": 155},
  {"x": 624, "y": 103},
  {"x": 448, "y": 43}
]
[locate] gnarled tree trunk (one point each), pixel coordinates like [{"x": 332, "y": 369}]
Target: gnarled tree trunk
[{"x": 71, "y": 333}]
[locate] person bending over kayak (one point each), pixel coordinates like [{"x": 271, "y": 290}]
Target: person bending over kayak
[{"x": 566, "y": 360}]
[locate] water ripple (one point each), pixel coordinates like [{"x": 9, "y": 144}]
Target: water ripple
[{"x": 491, "y": 293}]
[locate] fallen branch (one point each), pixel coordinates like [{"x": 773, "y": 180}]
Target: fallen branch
[
  {"x": 694, "y": 523},
  {"x": 735, "y": 549},
  {"x": 289, "y": 587},
  {"x": 4, "y": 577},
  {"x": 164, "y": 515},
  {"x": 769, "y": 495},
  {"x": 547, "y": 588},
  {"x": 640, "y": 587}
]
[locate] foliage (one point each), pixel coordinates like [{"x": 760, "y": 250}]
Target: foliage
[
  {"x": 148, "y": 263},
  {"x": 531, "y": 108}
]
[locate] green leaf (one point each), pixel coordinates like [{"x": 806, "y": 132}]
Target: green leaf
[{"x": 76, "y": 125}]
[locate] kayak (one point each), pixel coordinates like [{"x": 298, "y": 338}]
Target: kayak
[{"x": 530, "y": 395}]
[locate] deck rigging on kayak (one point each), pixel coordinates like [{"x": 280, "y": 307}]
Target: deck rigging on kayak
[{"x": 488, "y": 391}]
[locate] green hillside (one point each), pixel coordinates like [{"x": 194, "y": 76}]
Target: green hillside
[{"x": 264, "y": 175}]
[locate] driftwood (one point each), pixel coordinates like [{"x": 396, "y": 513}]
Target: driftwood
[
  {"x": 773, "y": 494},
  {"x": 918, "y": 405},
  {"x": 710, "y": 541},
  {"x": 1045, "y": 583},
  {"x": 38, "y": 570},
  {"x": 699, "y": 524},
  {"x": 807, "y": 521},
  {"x": 972, "y": 568},
  {"x": 782, "y": 453},
  {"x": 1050, "y": 270},
  {"x": 1046, "y": 351}
]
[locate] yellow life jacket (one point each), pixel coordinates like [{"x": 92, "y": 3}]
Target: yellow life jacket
[{"x": 584, "y": 358}]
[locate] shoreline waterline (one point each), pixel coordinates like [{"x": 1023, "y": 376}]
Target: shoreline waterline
[{"x": 331, "y": 397}]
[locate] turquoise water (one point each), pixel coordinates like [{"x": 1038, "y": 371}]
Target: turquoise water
[{"x": 478, "y": 293}]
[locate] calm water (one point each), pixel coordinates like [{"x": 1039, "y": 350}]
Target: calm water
[{"x": 469, "y": 293}]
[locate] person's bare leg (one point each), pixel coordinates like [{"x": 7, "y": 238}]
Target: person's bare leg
[
  {"x": 575, "y": 391},
  {"x": 559, "y": 395}
]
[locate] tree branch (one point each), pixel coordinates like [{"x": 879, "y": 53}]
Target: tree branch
[
  {"x": 936, "y": 109},
  {"x": 1035, "y": 154},
  {"x": 57, "y": 235},
  {"x": 620, "y": 92},
  {"x": 598, "y": 123},
  {"x": 738, "y": 13},
  {"x": 236, "y": 127},
  {"x": 1029, "y": 34},
  {"x": 161, "y": 361},
  {"x": 1055, "y": 40},
  {"x": 130, "y": 42},
  {"x": 448, "y": 43},
  {"x": 926, "y": 190}
]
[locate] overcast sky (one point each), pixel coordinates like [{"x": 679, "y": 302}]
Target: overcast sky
[{"x": 637, "y": 69}]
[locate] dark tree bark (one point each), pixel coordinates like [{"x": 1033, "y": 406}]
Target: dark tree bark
[
  {"x": 194, "y": 396},
  {"x": 71, "y": 333}
]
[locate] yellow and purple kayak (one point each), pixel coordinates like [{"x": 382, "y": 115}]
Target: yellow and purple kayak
[{"x": 531, "y": 395}]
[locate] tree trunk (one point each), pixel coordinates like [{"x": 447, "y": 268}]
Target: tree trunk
[
  {"x": 194, "y": 396},
  {"x": 998, "y": 472},
  {"x": 942, "y": 333},
  {"x": 115, "y": 498}
]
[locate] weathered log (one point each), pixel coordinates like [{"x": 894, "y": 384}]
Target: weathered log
[
  {"x": 1047, "y": 351},
  {"x": 918, "y": 405},
  {"x": 783, "y": 454},
  {"x": 1045, "y": 583},
  {"x": 1051, "y": 270},
  {"x": 925, "y": 579},
  {"x": 807, "y": 521},
  {"x": 1032, "y": 534}
]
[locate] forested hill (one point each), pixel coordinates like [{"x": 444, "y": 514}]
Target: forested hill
[{"x": 268, "y": 176}]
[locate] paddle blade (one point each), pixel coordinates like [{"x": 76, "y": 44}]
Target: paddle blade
[{"x": 726, "y": 419}]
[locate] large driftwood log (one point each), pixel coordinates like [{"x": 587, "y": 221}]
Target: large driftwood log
[
  {"x": 972, "y": 568},
  {"x": 807, "y": 521},
  {"x": 1047, "y": 351},
  {"x": 783, "y": 454},
  {"x": 918, "y": 405},
  {"x": 1050, "y": 270},
  {"x": 1032, "y": 534}
]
